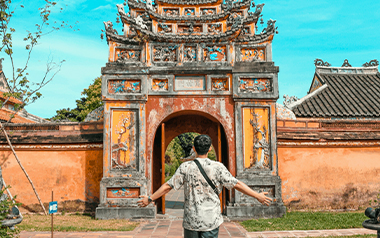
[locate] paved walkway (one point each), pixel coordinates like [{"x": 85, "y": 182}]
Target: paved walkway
[{"x": 170, "y": 226}]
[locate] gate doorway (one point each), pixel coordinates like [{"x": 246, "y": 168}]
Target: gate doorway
[{"x": 176, "y": 125}]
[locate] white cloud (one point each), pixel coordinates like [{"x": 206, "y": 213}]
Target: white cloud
[{"x": 105, "y": 7}]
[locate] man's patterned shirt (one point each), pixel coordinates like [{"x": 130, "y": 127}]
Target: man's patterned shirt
[{"x": 202, "y": 205}]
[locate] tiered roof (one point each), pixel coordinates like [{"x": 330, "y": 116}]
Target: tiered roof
[
  {"x": 143, "y": 21},
  {"x": 342, "y": 92}
]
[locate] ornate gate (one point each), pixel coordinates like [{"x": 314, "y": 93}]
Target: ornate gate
[{"x": 181, "y": 59}]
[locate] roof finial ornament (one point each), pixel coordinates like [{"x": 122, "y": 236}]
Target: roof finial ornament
[
  {"x": 149, "y": 5},
  {"x": 120, "y": 9},
  {"x": 319, "y": 62},
  {"x": 289, "y": 100},
  {"x": 140, "y": 22},
  {"x": 346, "y": 64},
  {"x": 372, "y": 63},
  {"x": 109, "y": 27}
]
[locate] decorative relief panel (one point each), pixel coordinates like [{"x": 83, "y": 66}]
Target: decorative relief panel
[
  {"x": 256, "y": 138},
  {"x": 260, "y": 189},
  {"x": 208, "y": 11},
  {"x": 165, "y": 53},
  {"x": 189, "y": 12},
  {"x": 124, "y": 136},
  {"x": 214, "y": 53},
  {"x": 122, "y": 86},
  {"x": 189, "y": 83},
  {"x": 190, "y": 28},
  {"x": 165, "y": 28},
  {"x": 251, "y": 55},
  {"x": 189, "y": 53},
  {"x": 123, "y": 192},
  {"x": 160, "y": 85},
  {"x": 254, "y": 85},
  {"x": 171, "y": 11},
  {"x": 247, "y": 30},
  {"x": 315, "y": 85},
  {"x": 215, "y": 28},
  {"x": 220, "y": 84},
  {"x": 127, "y": 55}
]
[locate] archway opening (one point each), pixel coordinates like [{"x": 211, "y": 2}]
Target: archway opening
[{"x": 189, "y": 123}]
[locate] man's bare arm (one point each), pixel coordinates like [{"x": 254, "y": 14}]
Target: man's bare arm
[
  {"x": 242, "y": 187},
  {"x": 164, "y": 189}
]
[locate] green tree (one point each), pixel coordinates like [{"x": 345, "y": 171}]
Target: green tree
[
  {"x": 19, "y": 84},
  {"x": 91, "y": 100},
  {"x": 6, "y": 205}
]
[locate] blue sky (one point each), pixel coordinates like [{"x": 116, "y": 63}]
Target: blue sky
[{"x": 330, "y": 30}]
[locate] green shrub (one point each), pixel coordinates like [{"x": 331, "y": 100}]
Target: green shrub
[{"x": 5, "y": 208}]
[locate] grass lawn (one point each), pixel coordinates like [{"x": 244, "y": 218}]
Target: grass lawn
[
  {"x": 307, "y": 221},
  {"x": 73, "y": 223}
]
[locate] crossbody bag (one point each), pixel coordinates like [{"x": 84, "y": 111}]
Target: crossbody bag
[{"x": 206, "y": 177}]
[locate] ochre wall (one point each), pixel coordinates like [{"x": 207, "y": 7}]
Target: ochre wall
[
  {"x": 74, "y": 175},
  {"x": 329, "y": 178},
  {"x": 329, "y": 166}
]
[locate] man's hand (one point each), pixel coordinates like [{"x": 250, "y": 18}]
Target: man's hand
[
  {"x": 144, "y": 201},
  {"x": 264, "y": 199},
  {"x": 242, "y": 187}
]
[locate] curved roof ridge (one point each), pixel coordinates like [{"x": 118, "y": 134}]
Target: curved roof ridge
[{"x": 296, "y": 103}]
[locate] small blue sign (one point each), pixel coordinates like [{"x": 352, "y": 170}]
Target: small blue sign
[{"x": 53, "y": 207}]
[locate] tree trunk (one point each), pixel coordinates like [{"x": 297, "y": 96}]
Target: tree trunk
[{"x": 22, "y": 167}]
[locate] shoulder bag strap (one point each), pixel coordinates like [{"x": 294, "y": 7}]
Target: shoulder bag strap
[{"x": 206, "y": 177}]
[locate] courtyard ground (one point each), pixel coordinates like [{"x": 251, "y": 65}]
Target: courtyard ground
[{"x": 170, "y": 226}]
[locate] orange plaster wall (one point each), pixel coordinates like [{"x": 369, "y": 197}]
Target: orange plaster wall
[
  {"x": 72, "y": 175},
  {"x": 329, "y": 178}
]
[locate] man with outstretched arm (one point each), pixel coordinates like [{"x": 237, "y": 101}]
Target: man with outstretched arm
[{"x": 202, "y": 212}]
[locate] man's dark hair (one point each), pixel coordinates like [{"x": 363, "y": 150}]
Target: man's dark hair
[{"x": 202, "y": 144}]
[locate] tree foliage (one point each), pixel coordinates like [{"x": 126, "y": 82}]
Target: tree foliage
[
  {"x": 5, "y": 208},
  {"x": 91, "y": 100},
  {"x": 19, "y": 83}
]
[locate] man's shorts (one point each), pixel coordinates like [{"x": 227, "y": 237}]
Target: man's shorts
[{"x": 202, "y": 234}]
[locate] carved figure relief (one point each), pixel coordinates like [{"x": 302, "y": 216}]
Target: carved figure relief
[
  {"x": 255, "y": 85},
  {"x": 208, "y": 11},
  {"x": 214, "y": 28},
  {"x": 127, "y": 56},
  {"x": 189, "y": 54},
  {"x": 121, "y": 86},
  {"x": 190, "y": 28},
  {"x": 256, "y": 138},
  {"x": 123, "y": 139},
  {"x": 251, "y": 55},
  {"x": 159, "y": 85},
  {"x": 189, "y": 12},
  {"x": 165, "y": 53},
  {"x": 171, "y": 12},
  {"x": 214, "y": 53},
  {"x": 165, "y": 28},
  {"x": 219, "y": 84},
  {"x": 123, "y": 192}
]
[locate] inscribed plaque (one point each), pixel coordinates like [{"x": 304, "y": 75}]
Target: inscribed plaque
[{"x": 189, "y": 83}]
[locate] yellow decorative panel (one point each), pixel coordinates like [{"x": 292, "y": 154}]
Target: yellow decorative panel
[
  {"x": 252, "y": 54},
  {"x": 256, "y": 138},
  {"x": 123, "y": 139}
]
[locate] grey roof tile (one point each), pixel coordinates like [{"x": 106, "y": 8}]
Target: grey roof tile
[{"x": 347, "y": 96}]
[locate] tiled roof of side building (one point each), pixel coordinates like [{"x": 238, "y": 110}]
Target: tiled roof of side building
[{"x": 344, "y": 92}]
